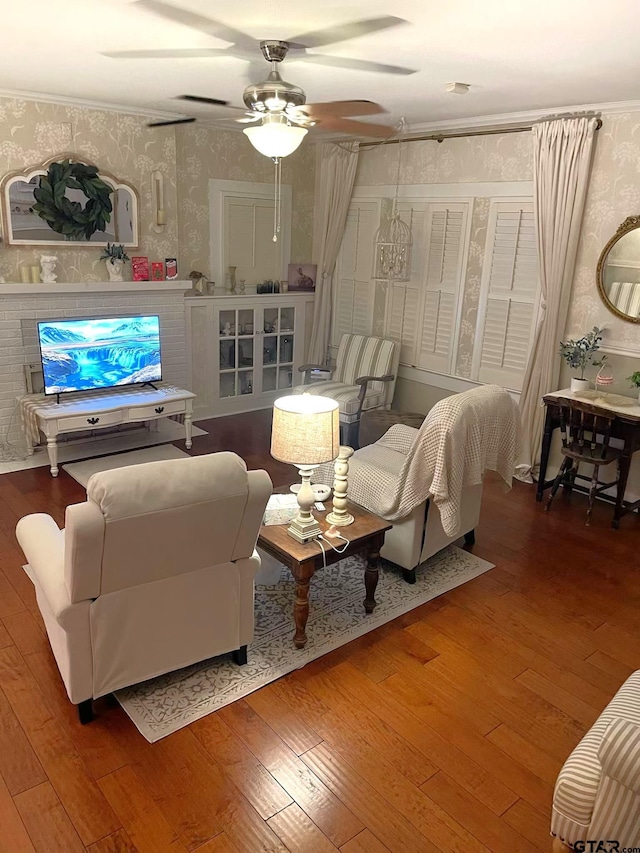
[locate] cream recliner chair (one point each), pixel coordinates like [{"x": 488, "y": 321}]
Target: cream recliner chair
[{"x": 153, "y": 572}]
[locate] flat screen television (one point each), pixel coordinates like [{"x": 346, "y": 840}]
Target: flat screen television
[{"x": 83, "y": 355}]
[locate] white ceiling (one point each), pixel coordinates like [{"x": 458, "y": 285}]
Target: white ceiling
[{"x": 544, "y": 54}]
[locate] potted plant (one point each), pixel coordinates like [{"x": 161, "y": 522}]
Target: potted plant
[
  {"x": 580, "y": 354},
  {"x": 634, "y": 379},
  {"x": 115, "y": 256}
]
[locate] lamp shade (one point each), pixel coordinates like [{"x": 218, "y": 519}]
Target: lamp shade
[
  {"x": 306, "y": 430},
  {"x": 275, "y": 139}
]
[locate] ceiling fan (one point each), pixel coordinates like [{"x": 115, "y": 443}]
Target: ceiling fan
[{"x": 274, "y": 102}]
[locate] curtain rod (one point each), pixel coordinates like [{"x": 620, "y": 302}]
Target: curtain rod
[{"x": 440, "y": 137}]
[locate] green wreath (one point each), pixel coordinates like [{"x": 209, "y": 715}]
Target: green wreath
[{"x": 68, "y": 217}]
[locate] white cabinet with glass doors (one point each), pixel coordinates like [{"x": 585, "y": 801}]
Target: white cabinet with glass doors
[{"x": 245, "y": 350}]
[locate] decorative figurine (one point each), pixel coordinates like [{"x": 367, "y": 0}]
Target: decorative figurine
[
  {"x": 47, "y": 267},
  {"x": 200, "y": 283}
]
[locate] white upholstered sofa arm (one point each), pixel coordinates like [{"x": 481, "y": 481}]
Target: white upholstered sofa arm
[
  {"x": 619, "y": 753},
  {"x": 43, "y": 544}
]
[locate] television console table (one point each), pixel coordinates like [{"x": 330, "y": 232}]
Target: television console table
[{"x": 99, "y": 410}]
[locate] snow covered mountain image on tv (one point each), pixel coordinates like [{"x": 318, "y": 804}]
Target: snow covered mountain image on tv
[{"x": 80, "y": 355}]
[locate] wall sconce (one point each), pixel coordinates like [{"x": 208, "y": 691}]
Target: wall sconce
[{"x": 157, "y": 201}]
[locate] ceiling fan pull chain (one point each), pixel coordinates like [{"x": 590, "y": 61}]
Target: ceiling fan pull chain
[{"x": 277, "y": 197}]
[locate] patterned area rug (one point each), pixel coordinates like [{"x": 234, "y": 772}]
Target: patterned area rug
[{"x": 163, "y": 705}]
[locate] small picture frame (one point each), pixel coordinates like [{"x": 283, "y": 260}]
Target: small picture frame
[{"x": 302, "y": 277}]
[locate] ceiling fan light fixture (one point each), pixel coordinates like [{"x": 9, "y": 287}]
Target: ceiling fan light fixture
[{"x": 275, "y": 137}]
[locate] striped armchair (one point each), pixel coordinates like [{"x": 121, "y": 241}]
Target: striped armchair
[
  {"x": 597, "y": 794},
  {"x": 364, "y": 378}
]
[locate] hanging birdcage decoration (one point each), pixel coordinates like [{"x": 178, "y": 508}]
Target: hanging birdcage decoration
[
  {"x": 392, "y": 243},
  {"x": 392, "y": 247}
]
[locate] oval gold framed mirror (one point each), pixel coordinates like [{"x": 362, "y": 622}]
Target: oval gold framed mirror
[{"x": 618, "y": 271}]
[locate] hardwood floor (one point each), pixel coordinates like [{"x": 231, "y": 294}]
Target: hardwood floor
[{"x": 441, "y": 731}]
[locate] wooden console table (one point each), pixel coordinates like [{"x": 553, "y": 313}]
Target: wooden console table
[
  {"x": 366, "y": 534},
  {"x": 626, "y": 427},
  {"x": 99, "y": 410}
]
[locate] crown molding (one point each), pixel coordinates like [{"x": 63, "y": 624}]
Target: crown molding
[
  {"x": 522, "y": 118},
  {"x": 64, "y": 101},
  {"x": 493, "y": 121},
  {"x": 500, "y": 121}
]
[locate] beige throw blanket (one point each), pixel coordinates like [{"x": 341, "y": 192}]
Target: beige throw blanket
[{"x": 462, "y": 437}]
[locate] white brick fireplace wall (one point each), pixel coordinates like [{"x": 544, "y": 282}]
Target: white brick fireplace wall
[{"x": 21, "y": 305}]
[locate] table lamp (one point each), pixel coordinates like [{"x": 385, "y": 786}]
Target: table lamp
[{"x": 305, "y": 433}]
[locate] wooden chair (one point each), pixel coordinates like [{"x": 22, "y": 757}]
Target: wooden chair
[{"x": 586, "y": 434}]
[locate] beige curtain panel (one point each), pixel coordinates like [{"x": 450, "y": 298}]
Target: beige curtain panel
[
  {"x": 338, "y": 165},
  {"x": 562, "y": 154}
]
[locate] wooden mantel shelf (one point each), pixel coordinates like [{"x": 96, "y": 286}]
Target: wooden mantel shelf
[{"x": 82, "y": 287}]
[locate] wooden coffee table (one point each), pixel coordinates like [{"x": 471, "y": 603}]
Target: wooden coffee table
[{"x": 366, "y": 535}]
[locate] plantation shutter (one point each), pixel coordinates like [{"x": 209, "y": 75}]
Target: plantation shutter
[
  {"x": 353, "y": 296},
  {"x": 509, "y": 295},
  {"x": 248, "y": 235},
  {"x": 446, "y": 240},
  {"x": 403, "y": 298}
]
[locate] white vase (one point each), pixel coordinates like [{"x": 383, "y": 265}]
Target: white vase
[
  {"x": 114, "y": 268},
  {"x": 579, "y": 386}
]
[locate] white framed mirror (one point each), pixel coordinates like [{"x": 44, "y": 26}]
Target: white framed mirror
[{"x": 67, "y": 201}]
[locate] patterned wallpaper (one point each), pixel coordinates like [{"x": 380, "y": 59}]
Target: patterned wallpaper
[
  {"x": 204, "y": 153},
  {"x": 503, "y": 157},
  {"x": 119, "y": 143},
  {"x": 614, "y": 194},
  {"x": 32, "y": 131}
]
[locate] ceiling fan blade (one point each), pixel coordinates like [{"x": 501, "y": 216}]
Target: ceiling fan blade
[
  {"x": 355, "y": 128},
  {"x": 198, "y": 99},
  {"x": 170, "y": 122},
  {"x": 197, "y": 22},
  {"x": 342, "y": 32},
  {"x": 342, "y": 108},
  {"x": 169, "y": 53},
  {"x": 355, "y": 64}
]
